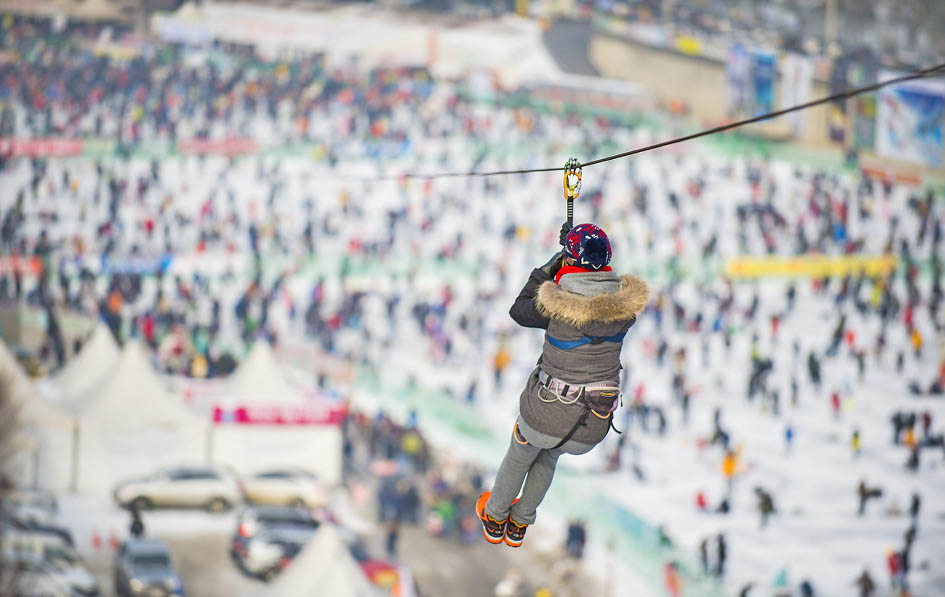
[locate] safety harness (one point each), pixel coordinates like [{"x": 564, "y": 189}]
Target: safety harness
[{"x": 585, "y": 396}]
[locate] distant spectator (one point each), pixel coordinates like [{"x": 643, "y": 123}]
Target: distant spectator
[
  {"x": 575, "y": 540},
  {"x": 866, "y": 584},
  {"x": 865, "y": 494},
  {"x": 915, "y": 505},
  {"x": 672, "y": 579},
  {"x": 765, "y": 505},
  {"x": 721, "y": 553},
  {"x": 137, "y": 525},
  {"x": 704, "y": 555}
]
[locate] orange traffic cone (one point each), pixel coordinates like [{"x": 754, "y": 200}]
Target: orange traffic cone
[{"x": 96, "y": 539}]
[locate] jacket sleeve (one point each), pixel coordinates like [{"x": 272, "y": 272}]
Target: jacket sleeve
[{"x": 523, "y": 311}]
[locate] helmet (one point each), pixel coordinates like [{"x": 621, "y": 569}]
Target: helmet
[{"x": 589, "y": 246}]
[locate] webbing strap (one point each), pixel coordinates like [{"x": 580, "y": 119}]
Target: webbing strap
[
  {"x": 569, "y": 344},
  {"x": 581, "y": 420}
]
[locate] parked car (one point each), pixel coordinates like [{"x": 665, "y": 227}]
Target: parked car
[
  {"x": 32, "y": 506},
  {"x": 294, "y": 487},
  {"x": 214, "y": 489},
  {"x": 268, "y": 537},
  {"x": 268, "y": 552},
  {"x": 34, "y": 577},
  {"x": 62, "y": 559},
  {"x": 143, "y": 568},
  {"x": 9, "y": 522}
]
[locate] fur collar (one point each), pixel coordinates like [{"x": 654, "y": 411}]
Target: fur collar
[{"x": 574, "y": 309}]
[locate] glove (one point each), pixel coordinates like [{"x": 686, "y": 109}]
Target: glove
[
  {"x": 554, "y": 264},
  {"x": 565, "y": 228}
]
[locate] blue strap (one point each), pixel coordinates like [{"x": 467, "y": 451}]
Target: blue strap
[{"x": 569, "y": 344}]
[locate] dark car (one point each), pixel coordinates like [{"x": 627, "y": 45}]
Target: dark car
[
  {"x": 143, "y": 568},
  {"x": 268, "y": 537}
]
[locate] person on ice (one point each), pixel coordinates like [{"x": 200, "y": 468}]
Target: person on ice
[{"x": 569, "y": 399}]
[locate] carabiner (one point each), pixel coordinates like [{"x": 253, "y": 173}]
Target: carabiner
[{"x": 572, "y": 179}]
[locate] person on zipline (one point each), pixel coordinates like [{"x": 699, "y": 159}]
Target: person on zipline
[{"x": 568, "y": 403}]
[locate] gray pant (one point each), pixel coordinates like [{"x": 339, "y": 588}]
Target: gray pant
[{"x": 532, "y": 463}]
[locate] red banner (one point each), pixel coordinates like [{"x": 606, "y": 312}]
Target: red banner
[
  {"x": 229, "y": 147},
  {"x": 24, "y": 265},
  {"x": 48, "y": 147},
  {"x": 303, "y": 414}
]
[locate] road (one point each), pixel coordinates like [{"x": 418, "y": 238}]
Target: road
[
  {"x": 446, "y": 569},
  {"x": 199, "y": 545},
  {"x": 198, "y": 542}
]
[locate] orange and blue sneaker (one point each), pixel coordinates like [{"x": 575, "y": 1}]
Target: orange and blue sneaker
[
  {"x": 493, "y": 530},
  {"x": 514, "y": 533}
]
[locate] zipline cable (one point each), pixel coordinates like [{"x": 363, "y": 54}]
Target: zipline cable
[{"x": 718, "y": 129}]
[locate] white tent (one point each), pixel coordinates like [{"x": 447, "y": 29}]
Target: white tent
[
  {"x": 86, "y": 371},
  {"x": 131, "y": 425},
  {"x": 261, "y": 380},
  {"x": 283, "y": 429},
  {"x": 45, "y": 438},
  {"x": 324, "y": 567}
]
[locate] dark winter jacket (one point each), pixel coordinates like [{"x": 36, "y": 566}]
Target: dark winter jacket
[{"x": 597, "y": 304}]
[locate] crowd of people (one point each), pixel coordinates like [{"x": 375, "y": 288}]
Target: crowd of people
[{"x": 200, "y": 254}]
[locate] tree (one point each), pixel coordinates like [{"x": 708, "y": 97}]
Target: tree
[{"x": 9, "y": 424}]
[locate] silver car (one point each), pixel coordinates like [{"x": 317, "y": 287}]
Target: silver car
[
  {"x": 32, "y": 506},
  {"x": 54, "y": 557},
  {"x": 268, "y": 537},
  {"x": 35, "y": 577},
  {"x": 143, "y": 568},
  {"x": 281, "y": 487},
  {"x": 203, "y": 487}
]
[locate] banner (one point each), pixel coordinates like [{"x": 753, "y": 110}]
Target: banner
[
  {"x": 864, "y": 121},
  {"x": 763, "y": 66},
  {"x": 837, "y": 111},
  {"x": 737, "y": 77},
  {"x": 46, "y": 147},
  {"x": 228, "y": 147},
  {"x": 909, "y": 121},
  {"x": 809, "y": 266},
  {"x": 863, "y": 107},
  {"x": 313, "y": 414},
  {"x": 24, "y": 265},
  {"x": 796, "y": 74}
]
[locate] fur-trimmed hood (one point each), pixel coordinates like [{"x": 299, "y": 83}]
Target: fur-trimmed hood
[{"x": 577, "y": 310}]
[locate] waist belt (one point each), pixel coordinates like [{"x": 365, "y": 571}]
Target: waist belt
[
  {"x": 561, "y": 390},
  {"x": 564, "y": 389},
  {"x": 569, "y": 344},
  {"x": 566, "y": 393}
]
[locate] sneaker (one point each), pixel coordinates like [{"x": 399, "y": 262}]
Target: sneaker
[
  {"x": 493, "y": 530},
  {"x": 514, "y": 533}
]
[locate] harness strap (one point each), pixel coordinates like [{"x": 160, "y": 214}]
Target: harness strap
[
  {"x": 581, "y": 420},
  {"x": 569, "y": 344},
  {"x": 614, "y": 427}
]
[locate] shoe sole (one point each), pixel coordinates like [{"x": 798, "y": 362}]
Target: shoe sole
[
  {"x": 510, "y": 543},
  {"x": 492, "y": 539}
]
